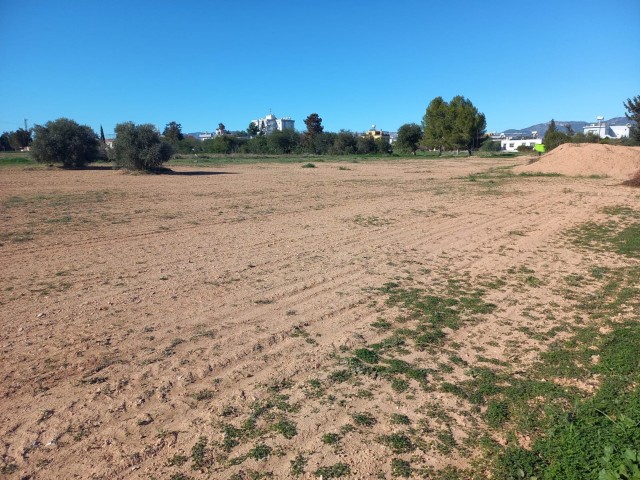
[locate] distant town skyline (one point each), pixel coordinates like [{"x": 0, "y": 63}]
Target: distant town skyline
[{"x": 150, "y": 62}]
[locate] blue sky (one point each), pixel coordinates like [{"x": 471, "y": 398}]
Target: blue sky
[{"x": 354, "y": 63}]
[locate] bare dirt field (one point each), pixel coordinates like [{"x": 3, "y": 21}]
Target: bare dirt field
[{"x": 227, "y": 322}]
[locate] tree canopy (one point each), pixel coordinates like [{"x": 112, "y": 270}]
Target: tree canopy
[
  {"x": 457, "y": 124},
  {"x": 409, "y": 137},
  {"x": 314, "y": 125},
  {"x": 64, "y": 141},
  {"x": 173, "y": 132},
  {"x": 633, "y": 113},
  {"x": 139, "y": 147}
]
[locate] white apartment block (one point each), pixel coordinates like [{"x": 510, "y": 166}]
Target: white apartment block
[{"x": 271, "y": 123}]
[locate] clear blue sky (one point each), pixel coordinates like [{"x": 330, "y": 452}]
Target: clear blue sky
[{"x": 353, "y": 62}]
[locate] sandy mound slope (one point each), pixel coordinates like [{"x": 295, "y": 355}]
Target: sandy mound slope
[{"x": 588, "y": 159}]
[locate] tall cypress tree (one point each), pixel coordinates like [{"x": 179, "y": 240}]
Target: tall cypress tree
[{"x": 102, "y": 139}]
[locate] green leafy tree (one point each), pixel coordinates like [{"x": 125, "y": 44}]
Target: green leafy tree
[
  {"x": 346, "y": 143},
  {"x": 139, "y": 147},
  {"x": 314, "y": 125},
  {"x": 633, "y": 113},
  {"x": 65, "y": 142},
  {"x": 466, "y": 124},
  {"x": 409, "y": 137},
  {"x": 5, "y": 144},
  {"x": 382, "y": 145},
  {"x": 253, "y": 129},
  {"x": 366, "y": 145},
  {"x": 20, "y": 139},
  {"x": 435, "y": 125},
  {"x": 312, "y": 142},
  {"x": 553, "y": 137},
  {"x": 173, "y": 132}
]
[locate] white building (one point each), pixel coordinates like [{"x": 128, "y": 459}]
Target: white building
[
  {"x": 271, "y": 123},
  {"x": 603, "y": 130},
  {"x": 510, "y": 144}
]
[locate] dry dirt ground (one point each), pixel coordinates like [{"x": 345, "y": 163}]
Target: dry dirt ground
[{"x": 194, "y": 325}]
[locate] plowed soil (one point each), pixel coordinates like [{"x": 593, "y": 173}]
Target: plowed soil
[{"x": 139, "y": 313}]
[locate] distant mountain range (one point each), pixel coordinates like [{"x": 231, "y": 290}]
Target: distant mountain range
[{"x": 541, "y": 128}]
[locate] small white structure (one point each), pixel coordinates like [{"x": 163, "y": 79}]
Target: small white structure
[
  {"x": 511, "y": 144},
  {"x": 271, "y": 123},
  {"x": 604, "y": 130}
]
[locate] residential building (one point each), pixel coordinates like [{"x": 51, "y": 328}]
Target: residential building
[
  {"x": 604, "y": 130},
  {"x": 511, "y": 144},
  {"x": 376, "y": 134},
  {"x": 271, "y": 123}
]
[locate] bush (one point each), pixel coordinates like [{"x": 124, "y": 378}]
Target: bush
[
  {"x": 525, "y": 148},
  {"x": 139, "y": 147},
  {"x": 65, "y": 142},
  {"x": 490, "y": 146}
]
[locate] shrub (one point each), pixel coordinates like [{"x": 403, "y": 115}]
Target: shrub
[
  {"x": 66, "y": 142},
  {"x": 139, "y": 147}
]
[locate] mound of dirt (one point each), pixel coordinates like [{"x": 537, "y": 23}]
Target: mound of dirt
[{"x": 588, "y": 159}]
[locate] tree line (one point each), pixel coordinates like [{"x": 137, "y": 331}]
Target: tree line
[{"x": 454, "y": 125}]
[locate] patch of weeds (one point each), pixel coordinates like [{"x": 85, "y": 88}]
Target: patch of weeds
[
  {"x": 400, "y": 468},
  {"x": 371, "y": 221},
  {"x": 399, "y": 385},
  {"x": 314, "y": 389},
  {"x": 286, "y": 428},
  {"x": 309, "y": 165},
  {"x": 400, "y": 419},
  {"x": 180, "y": 476},
  {"x": 381, "y": 324},
  {"x": 330, "y": 438},
  {"x": 259, "y": 452},
  {"x": 397, "y": 442},
  {"x": 177, "y": 460},
  {"x": 364, "y": 419},
  {"x": 200, "y": 455},
  {"x": 204, "y": 395},
  {"x": 9, "y": 468},
  {"x": 298, "y": 465},
  {"x": 367, "y": 355},
  {"x": 337, "y": 470},
  {"x": 340, "y": 376}
]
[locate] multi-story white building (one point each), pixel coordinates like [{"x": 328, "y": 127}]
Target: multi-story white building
[
  {"x": 603, "y": 130},
  {"x": 271, "y": 123}
]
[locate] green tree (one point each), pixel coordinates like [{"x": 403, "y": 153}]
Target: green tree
[
  {"x": 312, "y": 142},
  {"x": 103, "y": 140},
  {"x": 173, "y": 132},
  {"x": 409, "y": 137},
  {"x": 633, "y": 113},
  {"x": 64, "y": 141},
  {"x": 314, "y": 124},
  {"x": 253, "y": 129},
  {"x": 365, "y": 145},
  {"x": 553, "y": 137},
  {"x": 5, "y": 143},
  {"x": 20, "y": 139},
  {"x": 466, "y": 124},
  {"x": 435, "y": 125},
  {"x": 346, "y": 143},
  {"x": 139, "y": 147}
]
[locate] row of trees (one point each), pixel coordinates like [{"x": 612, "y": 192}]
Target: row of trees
[
  {"x": 16, "y": 140},
  {"x": 446, "y": 125}
]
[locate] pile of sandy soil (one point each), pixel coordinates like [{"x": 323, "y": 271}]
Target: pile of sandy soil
[{"x": 571, "y": 159}]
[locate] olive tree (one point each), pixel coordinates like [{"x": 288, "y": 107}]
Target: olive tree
[
  {"x": 409, "y": 137},
  {"x": 66, "y": 142},
  {"x": 139, "y": 147}
]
